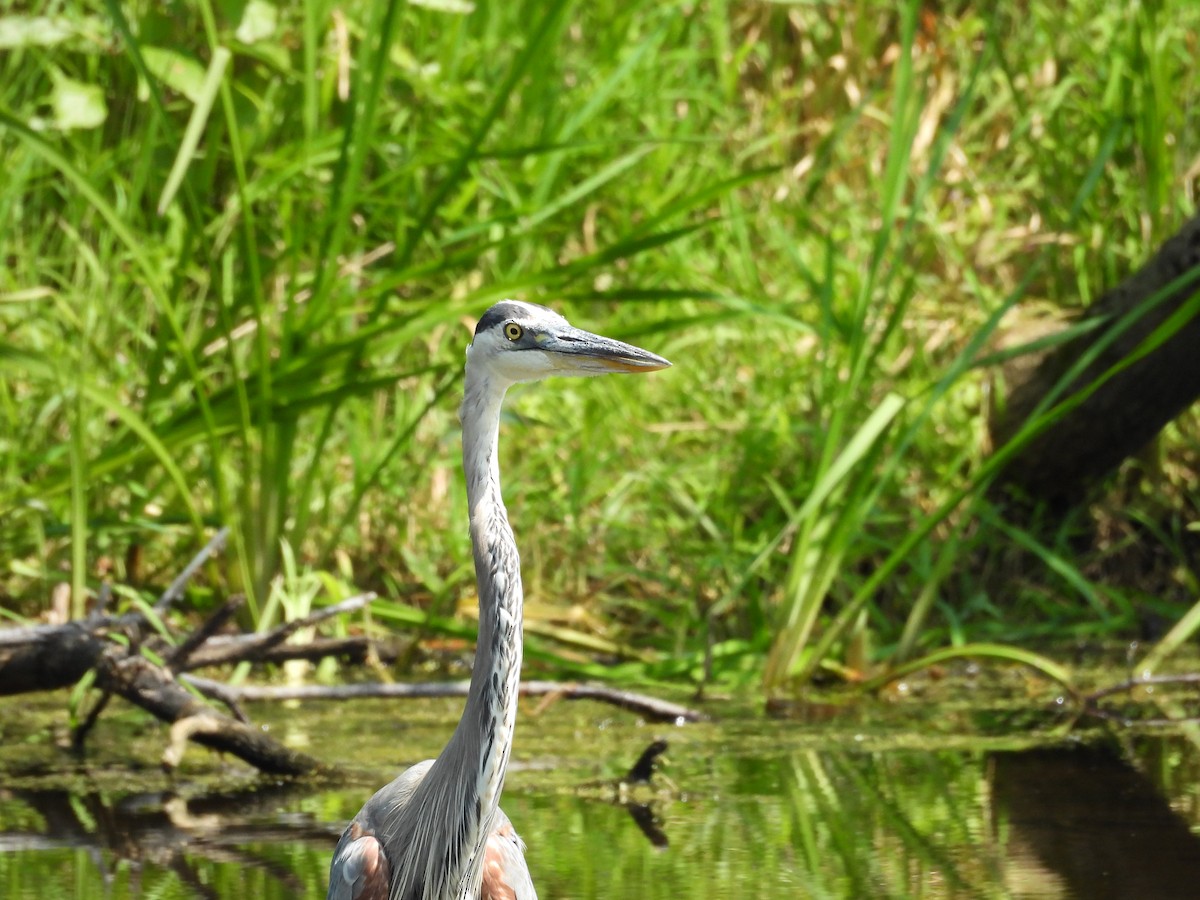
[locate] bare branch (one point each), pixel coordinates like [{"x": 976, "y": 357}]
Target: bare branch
[
  {"x": 84, "y": 728},
  {"x": 228, "y": 649},
  {"x": 651, "y": 707},
  {"x": 175, "y": 591},
  {"x": 265, "y": 647},
  {"x": 179, "y": 658}
]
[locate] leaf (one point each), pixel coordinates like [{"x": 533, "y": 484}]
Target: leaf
[
  {"x": 258, "y": 22},
  {"x": 460, "y": 7},
  {"x": 78, "y": 694},
  {"x": 33, "y": 31},
  {"x": 180, "y": 73},
  {"x": 1001, "y": 652},
  {"x": 77, "y": 105},
  {"x": 584, "y": 188}
]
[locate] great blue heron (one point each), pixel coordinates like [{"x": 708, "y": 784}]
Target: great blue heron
[{"x": 437, "y": 831}]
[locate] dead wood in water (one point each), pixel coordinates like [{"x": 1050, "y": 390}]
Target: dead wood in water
[
  {"x": 123, "y": 653},
  {"x": 152, "y": 687},
  {"x": 51, "y": 657}
]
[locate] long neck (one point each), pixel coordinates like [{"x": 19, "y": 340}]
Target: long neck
[
  {"x": 469, "y": 772},
  {"x": 491, "y": 708}
]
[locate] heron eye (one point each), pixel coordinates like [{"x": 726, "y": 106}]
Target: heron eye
[{"x": 513, "y": 331}]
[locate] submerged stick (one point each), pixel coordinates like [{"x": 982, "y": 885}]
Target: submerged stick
[
  {"x": 1133, "y": 684},
  {"x": 81, "y": 731}
]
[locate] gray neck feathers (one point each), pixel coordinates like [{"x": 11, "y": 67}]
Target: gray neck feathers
[
  {"x": 454, "y": 805},
  {"x": 492, "y": 701}
]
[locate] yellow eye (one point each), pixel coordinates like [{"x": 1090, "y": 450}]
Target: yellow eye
[{"x": 513, "y": 331}]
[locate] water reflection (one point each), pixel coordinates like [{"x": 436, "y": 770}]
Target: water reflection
[
  {"x": 780, "y": 821},
  {"x": 143, "y": 840},
  {"x": 1082, "y": 822}
]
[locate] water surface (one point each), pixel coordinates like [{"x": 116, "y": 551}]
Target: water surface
[{"x": 902, "y": 799}]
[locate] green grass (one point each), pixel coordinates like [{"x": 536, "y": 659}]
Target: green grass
[{"x": 241, "y": 253}]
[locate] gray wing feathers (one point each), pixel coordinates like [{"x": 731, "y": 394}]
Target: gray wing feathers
[
  {"x": 362, "y": 865},
  {"x": 360, "y": 869}
]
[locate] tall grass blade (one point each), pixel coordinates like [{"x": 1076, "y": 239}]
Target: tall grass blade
[
  {"x": 195, "y": 126},
  {"x": 1000, "y": 652},
  {"x": 822, "y": 542}
]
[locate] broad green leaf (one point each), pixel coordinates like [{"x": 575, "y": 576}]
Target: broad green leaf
[
  {"x": 77, "y": 105},
  {"x": 180, "y": 73},
  {"x": 258, "y": 22},
  {"x": 33, "y": 31},
  {"x": 460, "y": 7}
]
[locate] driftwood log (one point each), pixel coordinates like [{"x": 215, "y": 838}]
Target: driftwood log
[
  {"x": 50, "y": 657},
  {"x": 1125, "y": 412},
  {"x": 128, "y": 657}
]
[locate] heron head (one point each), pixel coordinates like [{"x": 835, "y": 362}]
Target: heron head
[{"x": 519, "y": 341}]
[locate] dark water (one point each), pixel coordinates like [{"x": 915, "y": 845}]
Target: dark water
[{"x": 905, "y": 800}]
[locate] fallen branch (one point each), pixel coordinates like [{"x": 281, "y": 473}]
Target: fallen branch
[
  {"x": 49, "y": 657},
  {"x": 121, "y": 649},
  {"x": 1126, "y": 388},
  {"x": 230, "y": 649},
  {"x": 651, "y": 707},
  {"x": 152, "y": 688},
  {"x": 260, "y": 647},
  {"x": 178, "y": 659},
  {"x": 52, "y": 657}
]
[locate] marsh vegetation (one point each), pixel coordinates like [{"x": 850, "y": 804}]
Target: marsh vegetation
[{"x": 243, "y": 245}]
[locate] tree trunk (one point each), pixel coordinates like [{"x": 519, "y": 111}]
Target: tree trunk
[{"x": 1124, "y": 413}]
